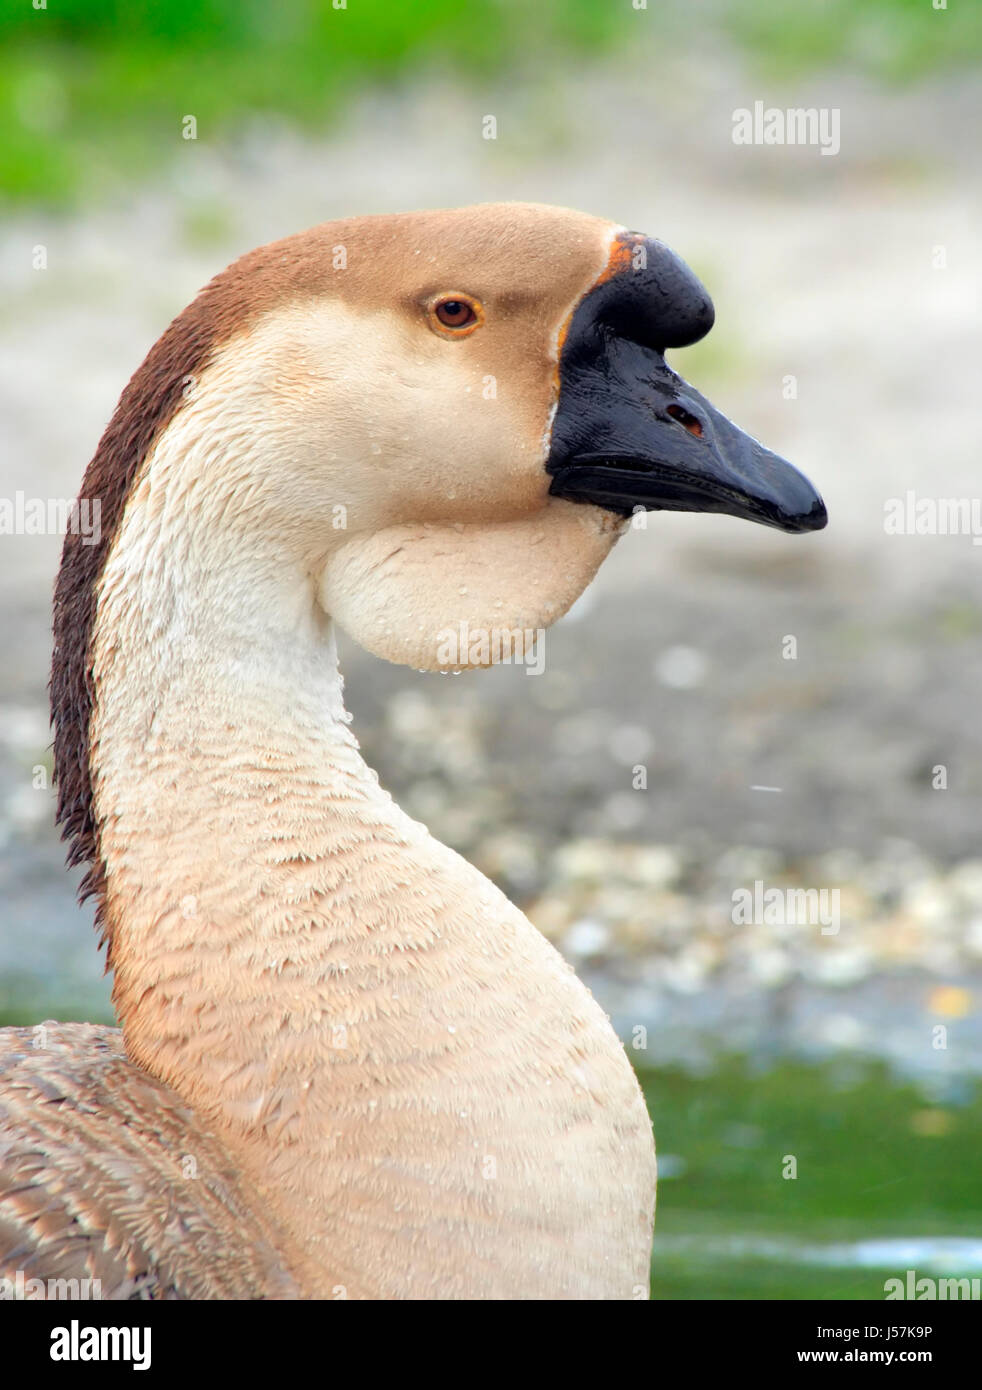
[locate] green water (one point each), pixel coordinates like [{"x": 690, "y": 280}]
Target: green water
[{"x": 875, "y": 1160}]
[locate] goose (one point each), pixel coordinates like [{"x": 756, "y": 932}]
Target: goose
[{"x": 348, "y": 1066}]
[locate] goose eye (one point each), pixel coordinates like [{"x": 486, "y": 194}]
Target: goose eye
[{"x": 457, "y": 312}]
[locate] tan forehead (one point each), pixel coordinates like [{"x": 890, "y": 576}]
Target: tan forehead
[{"x": 511, "y": 249}]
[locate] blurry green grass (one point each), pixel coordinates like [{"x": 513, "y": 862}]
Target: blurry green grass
[
  {"x": 88, "y": 92},
  {"x": 875, "y": 1159},
  {"x": 92, "y": 93}
]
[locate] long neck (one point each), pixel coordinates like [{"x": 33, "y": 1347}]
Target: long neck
[{"x": 401, "y": 1062}]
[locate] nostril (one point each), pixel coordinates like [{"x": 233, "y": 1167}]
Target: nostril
[{"x": 686, "y": 419}]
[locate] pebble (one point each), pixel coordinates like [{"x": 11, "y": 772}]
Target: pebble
[{"x": 586, "y": 937}]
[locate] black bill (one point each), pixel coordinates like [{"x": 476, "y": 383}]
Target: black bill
[{"x": 629, "y": 433}]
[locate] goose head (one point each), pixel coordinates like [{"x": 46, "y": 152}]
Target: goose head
[{"x": 445, "y": 417}]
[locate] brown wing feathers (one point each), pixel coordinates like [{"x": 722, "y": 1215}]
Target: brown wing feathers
[{"x": 89, "y": 1191}]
